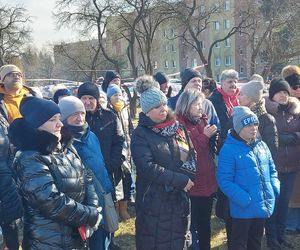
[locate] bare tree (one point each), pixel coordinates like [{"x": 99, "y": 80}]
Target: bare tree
[
  {"x": 14, "y": 32},
  {"x": 88, "y": 17},
  {"x": 195, "y": 18},
  {"x": 273, "y": 36}
]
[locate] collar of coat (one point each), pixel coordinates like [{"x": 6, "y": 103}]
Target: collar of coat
[{"x": 24, "y": 138}]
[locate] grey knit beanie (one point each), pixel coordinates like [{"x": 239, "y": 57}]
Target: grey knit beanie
[
  {"x": 70, "y": 105},
  {"x": 253, "y": 89},
  {"x": 151, "y": 96},
  {"x": 243, "y": 117}
]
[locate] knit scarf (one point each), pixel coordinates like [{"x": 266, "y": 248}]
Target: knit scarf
[
  {"x": 174, "y": 128},
  {"x": 230, "y": 101},
  {"x": 259, "y": 108}
]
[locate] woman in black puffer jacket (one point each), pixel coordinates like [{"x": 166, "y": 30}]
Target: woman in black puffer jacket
[
  {"x": 58, "y": 194},
  {"x": 161, "y": 152}
]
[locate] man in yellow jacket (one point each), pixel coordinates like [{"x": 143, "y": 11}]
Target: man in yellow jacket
[{"x": 12, "y": 91}]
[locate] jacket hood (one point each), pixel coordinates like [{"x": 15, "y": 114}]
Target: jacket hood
[
  {"x": 24, "y": 138},
  {"x": 294, "y": 106}
]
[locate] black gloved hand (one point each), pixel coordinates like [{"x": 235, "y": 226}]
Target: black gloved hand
[{"x": 287, "y": 139}]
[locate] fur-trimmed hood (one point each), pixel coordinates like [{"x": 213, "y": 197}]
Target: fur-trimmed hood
[
  {"x": 293, "y": 106},
  {"x": 24, "y": 137}
]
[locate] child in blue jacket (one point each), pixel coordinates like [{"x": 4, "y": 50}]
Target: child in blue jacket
[{"x": 247, "y": 176}]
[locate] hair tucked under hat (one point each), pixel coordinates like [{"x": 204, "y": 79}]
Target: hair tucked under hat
[
  {"x": 277, "y": 85},
  {"x": 36, "y": 111},
  {"x": 6, "y": 69},
  {"x": 187, "y": 74},
  {"x": 60, "y": 92},
  {"x": 113, "y": 89},
  {"x": 109, "y": 76},
  {"x": 291, "y": 73},
  {"x": 161, "y": 78},
  {"x": 253, "y": 89},
  {"x": 70, "y": 105},
  {"x": 151, "y": 95},
  {"x": 88, "y": 88},
  {"x": 243, "y": 117}
]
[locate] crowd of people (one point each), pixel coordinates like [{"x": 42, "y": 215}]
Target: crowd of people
[{"x": 63, "y": 160}]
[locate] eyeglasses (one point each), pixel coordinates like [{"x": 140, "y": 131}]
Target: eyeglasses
[
  {"x": 296, "y": 87},
  {"x": 14, "y": 74}
]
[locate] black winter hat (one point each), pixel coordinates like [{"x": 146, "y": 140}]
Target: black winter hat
[
  {"x": 60, "y": 92},
  {"x": 161, "y": 78},
  {"x": 187, "y": 74},
  {"x": 276, "y": 85},
  {"x": 88, "y": 88},
  {"x": 36, "y": 111},
  {"x": 293, "y": 80},
  {"x": 109, "y": 76}
]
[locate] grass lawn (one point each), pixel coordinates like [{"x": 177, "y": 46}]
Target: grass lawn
[{"x": 125, "y": 236}]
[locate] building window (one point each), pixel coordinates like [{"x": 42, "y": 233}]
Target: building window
[
  {"x": 227, "y": 43},
  {"x": 166, "y": 48},
  {"x": 216, "y": 25},
  {"x": 173, "y": 63},
  {"x": 241, "y": 51},
  {"x": 173, "y": 48},
  {"x": 217, "y": 45},
  {"x": 195, "y": 62},
  {"x": 217, "y": 61},
  {"x": 155, "y": 66},
  {"x": 241, "y": 69},
  {"x": 165, "y": 33},
  {"x": 166, "y": 64},
  {"x": 226, "y": 24},
  {"x": 227, "y": 60},
  {"x": 227, "y": 5}
]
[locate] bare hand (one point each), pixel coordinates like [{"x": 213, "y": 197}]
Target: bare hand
[
  {"x": 210, "y": 130},
  {"x": 188, "y": 186}
]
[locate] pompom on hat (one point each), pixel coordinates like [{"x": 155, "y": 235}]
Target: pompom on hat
[{"x": 151, "y": 95}]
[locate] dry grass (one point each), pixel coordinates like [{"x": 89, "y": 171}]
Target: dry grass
[{"x": 125, "y": 236}]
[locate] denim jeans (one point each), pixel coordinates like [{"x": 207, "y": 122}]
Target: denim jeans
[
  {"x": 100, "y": 240},
  {"x": 275, "y": 225},
  {"x": 293, "y": 219}
]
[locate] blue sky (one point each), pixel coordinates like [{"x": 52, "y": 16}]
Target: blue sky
[{"x": 43, "y": 25}]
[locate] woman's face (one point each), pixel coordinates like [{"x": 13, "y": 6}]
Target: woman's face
[
  {"x": 53, "y": 126},
  {"x": 117, "y": 97},
  {"x": 158, "y": 114},
  {"x": 281, "y": 97},
  {"x": 196, "y": 110},
  {"x": 244, "y": 100}
]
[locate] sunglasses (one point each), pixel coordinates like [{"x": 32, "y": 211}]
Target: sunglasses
[{"x": 296, "y": 87}]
